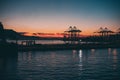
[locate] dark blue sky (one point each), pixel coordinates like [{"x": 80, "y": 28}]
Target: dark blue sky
[
  {"x": 87, "y": 7},
  {"x": 65, "y": 12}
]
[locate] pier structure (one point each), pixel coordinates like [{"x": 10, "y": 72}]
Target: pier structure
[
  {"x": 104, "y": 32},
  {"x": 28, "y": 42},
  {"x": 72, "y": 35}
]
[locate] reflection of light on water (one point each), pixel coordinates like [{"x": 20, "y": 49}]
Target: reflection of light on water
[
  {"x": 74, "y": 53},
  {"x": 93, "y": 51},
  {"x": 80, "y": 53},
  {"x": 109, "y": 51},
  {"x": 29, "y": 56},
  {"x": 114, "y": 52},
  {"x": 114, "y": 58},
  {"x": 80, "y": 60}
]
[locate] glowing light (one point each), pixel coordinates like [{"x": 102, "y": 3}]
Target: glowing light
[
  {"x": 80, "y": 53},
  {"x": 80, "y": 57}
]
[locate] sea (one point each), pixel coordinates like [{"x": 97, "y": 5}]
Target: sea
[{"x": 90, "y": 64}]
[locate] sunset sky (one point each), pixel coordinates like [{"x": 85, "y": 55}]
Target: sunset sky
[{"x": 55, "y": 16}]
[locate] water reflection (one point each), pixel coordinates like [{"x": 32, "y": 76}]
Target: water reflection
[
  {"x": 80, "y": 60},
  {"x": 109, "y": 51},
  {"x": 114, "y": 55},
  {"x": 114, "y": 58},
  {"x": 92, "y": 51},
  {"x": 93, "y": 64},
  {"x": 74, "y": 54},
  {"x": 8, "y": 67}
]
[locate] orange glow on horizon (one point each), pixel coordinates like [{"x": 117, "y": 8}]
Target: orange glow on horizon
[
  {"x": 49, "y": 30},
  {"x": 50, "y": 26},
  {"x": 44, "y": 34},
  {"x": 54, "y": 35}
]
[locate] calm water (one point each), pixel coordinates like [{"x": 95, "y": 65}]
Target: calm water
[{"x": 93, "y": 64}]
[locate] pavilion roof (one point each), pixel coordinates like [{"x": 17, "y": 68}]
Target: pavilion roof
[
  {"x": 73, "y": 29},
  {"x": 105, "y": 30}
]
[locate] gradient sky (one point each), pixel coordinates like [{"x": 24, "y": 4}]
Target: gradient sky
[{"x": 57, "y": 15}]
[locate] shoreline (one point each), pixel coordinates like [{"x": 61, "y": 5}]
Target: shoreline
[
  {"x": 14, "y": 48},
  {"x": 53, "y": 47}
]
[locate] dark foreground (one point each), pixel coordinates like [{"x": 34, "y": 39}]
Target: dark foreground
[{"x": 90, "y": 64}]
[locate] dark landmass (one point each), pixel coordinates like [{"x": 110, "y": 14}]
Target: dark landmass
[{"x": 13, "y": 35}]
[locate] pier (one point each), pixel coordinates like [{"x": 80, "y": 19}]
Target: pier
[
  {"x": 72, "y": 39},
  {"x": 72, "y": 35}
]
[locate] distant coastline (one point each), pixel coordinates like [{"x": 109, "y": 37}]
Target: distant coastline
[{"x": 49, "y": 47}]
